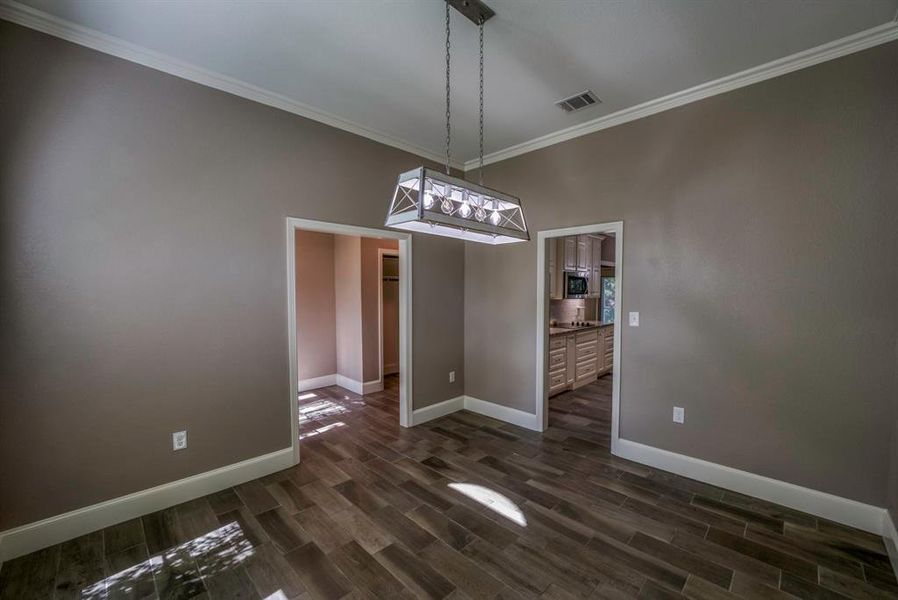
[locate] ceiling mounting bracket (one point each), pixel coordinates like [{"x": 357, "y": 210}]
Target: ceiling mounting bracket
[{"x": 475, "y": 10}]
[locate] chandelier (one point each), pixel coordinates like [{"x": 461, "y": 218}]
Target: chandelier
[{"x": 428, "y": 201}]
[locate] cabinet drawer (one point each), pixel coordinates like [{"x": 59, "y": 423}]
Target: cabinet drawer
[
  {"x": 557, "y": 379},
  {"x": 557, "y": 359},
  {"x": 556, "y": 342},
  {"x": 586, "y": 369},
  {"x": 587, "y": 350},
  {"x": 588, "y": 336}
]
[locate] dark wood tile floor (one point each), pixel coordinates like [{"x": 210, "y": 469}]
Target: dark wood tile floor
[{"x": 463, "y": 507}]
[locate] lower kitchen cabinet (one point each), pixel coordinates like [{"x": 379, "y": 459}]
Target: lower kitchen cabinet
[{"x": 579, "y": 357}]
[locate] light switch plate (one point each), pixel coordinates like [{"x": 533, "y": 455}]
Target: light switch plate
[
  {"x": 179, "y": 440},
  {"x": 679, "y": 414},
  {"x": 634, "y": 319},
  {"x": 451, "y": 376}
]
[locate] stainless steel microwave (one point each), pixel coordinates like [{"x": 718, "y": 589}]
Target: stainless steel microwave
[{"x": 576, "y": 285}]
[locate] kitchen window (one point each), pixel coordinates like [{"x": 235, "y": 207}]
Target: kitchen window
[{"x": 607, "y": 299}]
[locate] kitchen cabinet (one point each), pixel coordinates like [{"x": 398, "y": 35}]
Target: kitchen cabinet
[
  {"x": 586, "y": 357},
  {"x": 557, "y": 363},
  {"x": 584, "y": 252},
  {"x": 606, "y": 350},
  {"x": 569, "y": 252},
  {"x": 579, "y": 357},
  {"x": 580, "y": 253},
  {"x": 595, "y": 265}
]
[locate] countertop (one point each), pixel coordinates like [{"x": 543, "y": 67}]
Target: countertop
[{"x": 569, "y": 329}]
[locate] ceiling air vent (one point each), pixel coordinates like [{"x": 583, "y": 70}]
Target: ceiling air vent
[{"x": 578, "y": 102}]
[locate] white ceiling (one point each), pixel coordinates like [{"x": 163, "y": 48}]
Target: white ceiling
[{"x": 379, "y": 63}]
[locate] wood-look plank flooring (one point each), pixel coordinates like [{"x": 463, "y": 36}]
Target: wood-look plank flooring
[{"x": 463, "y": 507}]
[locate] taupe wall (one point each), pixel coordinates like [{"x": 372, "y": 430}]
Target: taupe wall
[
  {"x": 316, "y": 347},
  {"x": 348, "y": 292},
  {"x": 143, "y": 285},
  {"x": 370, "y": 290},
  {"x": 759, "y": 246},
  {"x": 437, "y": 348}
]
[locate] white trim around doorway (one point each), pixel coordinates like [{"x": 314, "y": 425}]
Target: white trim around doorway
[
  {"x": 542, "y": 316},
  {"x": 405, "y": 312}
]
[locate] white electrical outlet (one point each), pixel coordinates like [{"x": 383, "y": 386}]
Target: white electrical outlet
[
  {"x": 634, "y": 319},
  {"x": 179, "y": 440},
  {"x": 679, "y": 414},
  {"x": 451, "y": 376}
]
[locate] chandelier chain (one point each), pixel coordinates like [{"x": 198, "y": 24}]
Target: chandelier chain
[
  {"x": 448, "y": 126},
  {"x": 480, "y": 170}
]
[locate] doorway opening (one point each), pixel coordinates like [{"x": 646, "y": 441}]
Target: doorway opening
[
  {"x": 344, "y": 322},
  {"x": 579, "y": 275}
]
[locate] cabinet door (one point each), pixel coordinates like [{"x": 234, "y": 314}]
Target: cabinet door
[
  {"x": 584, "y": 250},
  {"x": 570, "y": 253},
  {"x": 595, "y": 267},
  {"x": 608, "y": 358},
  {"x": 571, "y": 358}
]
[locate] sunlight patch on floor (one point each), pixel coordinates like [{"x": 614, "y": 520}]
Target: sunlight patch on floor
[
  {"x": 493, "y": 500},
  {"x": 320, "y": 409},
  {"x": 222, "y": 549},
  {"x": 321, "y": 430}
]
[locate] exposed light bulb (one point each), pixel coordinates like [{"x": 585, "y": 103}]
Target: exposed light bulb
[
  {"x": 446, "y": 206},
  {"x": 480, "y": 214},
  {"x": 464, "y": 210},
  {"x": 428, "y": 199},
  {"x": 495, "y": 217}
]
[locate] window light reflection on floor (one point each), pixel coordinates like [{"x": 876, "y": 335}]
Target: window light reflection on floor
[
  {"x": 320, "y": 409},
  {"x": 493, "y": 500},
  {"x": 220, "y": 550},
  {"x": 321, "y": 430}
]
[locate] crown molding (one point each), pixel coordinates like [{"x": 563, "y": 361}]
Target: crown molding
[
  {"x": 46, "y": 23},
  {"x": 868, "y": 38},
  {"x": 90, "y": 38}
]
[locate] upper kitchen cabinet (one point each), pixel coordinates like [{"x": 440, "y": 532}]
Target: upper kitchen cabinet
[
  {"x": 584, "y": 252},
  {"x": 568, "y": 247},
  {"x": 597, "y": 254}
]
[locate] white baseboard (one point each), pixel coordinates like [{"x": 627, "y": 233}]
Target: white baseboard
[
  {"x": 41, "y": 534},
  {"x": 352, "y": 385},
  {"x": 503, "y": 413},
  {"x": 317, "y": 382},
  {"x": 489, "y": 409},
  {"x": 435, "y": 411},
  {"x": 369, "y": 387},
  {"x": 835, "y": 508},
  {"x": 890, "y": 537}
]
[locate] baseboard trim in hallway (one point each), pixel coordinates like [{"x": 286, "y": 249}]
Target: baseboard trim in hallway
[
  {"x": 435, "y": 411},
  {"x": 317, "y": 382},
  {"x": 835, "y": 508},
  {"x": 47, "y": 532},
  {"x": 503, "y": 413},
  {"x": 482, "y": 407}
]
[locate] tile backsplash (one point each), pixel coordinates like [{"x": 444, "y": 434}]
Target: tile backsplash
[{"x": 566, "y": 310}]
